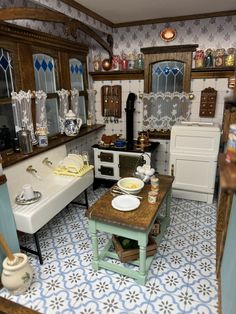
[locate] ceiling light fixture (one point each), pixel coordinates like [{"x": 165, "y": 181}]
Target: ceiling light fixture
[{"x": 168, "y": 34}]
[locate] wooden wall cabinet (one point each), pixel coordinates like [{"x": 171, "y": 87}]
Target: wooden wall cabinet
[{"x": 208, "y": 103}]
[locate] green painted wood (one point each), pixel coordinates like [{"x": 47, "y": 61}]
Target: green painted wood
[
  {"x": 228, "y": 265},
  {"x": 7, "y": 224},
  {"x": 143, "y": 262}
]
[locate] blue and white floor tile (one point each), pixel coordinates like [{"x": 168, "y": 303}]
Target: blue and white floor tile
[{"x": 181, "y": 279}]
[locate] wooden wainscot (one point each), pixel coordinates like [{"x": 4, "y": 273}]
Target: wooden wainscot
[{"x": 127, "y": 255}]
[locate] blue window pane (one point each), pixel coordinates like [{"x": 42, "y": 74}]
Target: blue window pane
[
  {"x": 6, "y": 77},
  {"x": 167, "y": 76},
  {"x": 44, "y": 73},
  {"x": 76, "y": 74}
]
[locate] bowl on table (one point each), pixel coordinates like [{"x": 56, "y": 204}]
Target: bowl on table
[{"x": 130, "y": 185}]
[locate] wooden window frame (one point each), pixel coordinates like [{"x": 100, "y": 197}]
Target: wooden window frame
[{"x": 22, "y": 43}]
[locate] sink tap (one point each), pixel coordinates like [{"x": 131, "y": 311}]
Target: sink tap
[
  {"x": 30, "y": 169},
  {"x": 46, "y": 161}
]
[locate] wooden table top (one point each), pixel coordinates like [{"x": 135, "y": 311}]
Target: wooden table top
[{"x": 140, "y": 218}]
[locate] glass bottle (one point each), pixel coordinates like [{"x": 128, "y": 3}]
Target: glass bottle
[
  {"x": 199, "y": 59},
  {"x": 208, "y": 58},
  {"x": 229, "y": 58}
]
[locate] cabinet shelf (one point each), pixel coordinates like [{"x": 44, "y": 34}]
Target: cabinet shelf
[
  {"x": 212, "y": 72},
  {"x": 198, "y": 73},
  {"x": 118, "y": 75}
]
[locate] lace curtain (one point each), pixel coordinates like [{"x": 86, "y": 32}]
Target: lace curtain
[
  {"x": 75, "y": 101},
  {"x": 22, "y": 114},
  {"x": 41, "y": 114},
  {"x": 162, "y": 110},
  {"x": 63, "y": 107},
  {"x": 91, "y": 106}
]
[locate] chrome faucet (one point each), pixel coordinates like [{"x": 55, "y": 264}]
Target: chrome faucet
[
  {"x": 46, "y": 161},
  {"x": 30, "y": 169}
]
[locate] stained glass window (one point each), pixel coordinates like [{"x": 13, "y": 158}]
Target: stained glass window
[
  {"x": 76, "y": 74},
  {"x": 45, "y": 80},
  {"x": 6, "y": 78},
  {"x": 44, "y": 73},
  {"x": 77, "y": 81},
  {"x": 167, "y": 76}
]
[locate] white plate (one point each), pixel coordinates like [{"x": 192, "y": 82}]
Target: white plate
[{"x": 125, "y": 202}]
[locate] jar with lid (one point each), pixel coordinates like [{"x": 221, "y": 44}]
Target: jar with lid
[
  {"x": 139, "y": 62},
  {"x": 42, "y": 134},
  {"x": 208, "y": 58},
  {"x": 219, "y": 57},
  {"x": 115, "y": 62},
  {"x": 229, "y": 58},
  {"x": 97, "y": 63},
  {"x": 231, "y": 144},
  {"x": 131, "y": 61},
  {"x": 124, "y": 62},
  {"x": 199, "y": 59}
]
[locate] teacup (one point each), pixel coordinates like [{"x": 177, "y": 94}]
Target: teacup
[{"x": 27, "y": 192}]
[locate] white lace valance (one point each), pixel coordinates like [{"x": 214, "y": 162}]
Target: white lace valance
[{"x": 162, "y": 110}]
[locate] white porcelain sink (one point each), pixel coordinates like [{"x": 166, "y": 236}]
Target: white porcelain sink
[{"x": 57, "y": 191}]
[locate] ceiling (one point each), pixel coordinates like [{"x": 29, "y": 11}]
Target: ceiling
[{"x": 122, "y": 11}]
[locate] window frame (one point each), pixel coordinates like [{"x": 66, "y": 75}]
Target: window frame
[{"x": 22, "y": 43}]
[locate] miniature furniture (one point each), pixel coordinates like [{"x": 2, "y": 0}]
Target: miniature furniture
[
  {"x": 113, "y": 163},
  {"x": 57, "y": 191},
  {"x": 135, "y": 225}
]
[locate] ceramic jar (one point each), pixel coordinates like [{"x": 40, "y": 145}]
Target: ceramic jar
[
  {"x": 229, "y": 58},
  {"x": 97, "y": 65},
  {"x": 219, "y": 57},
  {"x": 72, "y": 124},
  {"x": 42, "y": 135},
  {"x": 115, "y": 62},
  {"x": 17, "y": 278}
]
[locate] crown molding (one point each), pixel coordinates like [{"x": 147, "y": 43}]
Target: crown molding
[
  {"x": 88, "y": 12},
  {"x": 98, "y": 17},
  {"x": 70, "y": 25}
]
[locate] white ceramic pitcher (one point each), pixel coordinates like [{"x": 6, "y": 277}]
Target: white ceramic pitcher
[{"x": 72, "y": 124}]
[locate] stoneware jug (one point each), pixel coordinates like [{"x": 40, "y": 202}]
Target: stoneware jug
[
  {"x": 17, "y": 278},
  {"x": 72, "y": 124}
]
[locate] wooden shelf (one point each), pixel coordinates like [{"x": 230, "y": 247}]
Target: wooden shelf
[
  {"x": 117, "y": 75},
  {"x": 212, "y": 72},
  {"x": 220, "y": 72}
]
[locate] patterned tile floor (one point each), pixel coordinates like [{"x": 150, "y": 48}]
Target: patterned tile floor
[{"x": 181, "y": 278}]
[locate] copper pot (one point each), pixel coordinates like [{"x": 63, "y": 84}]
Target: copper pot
[{"x": 106, "y": 64}]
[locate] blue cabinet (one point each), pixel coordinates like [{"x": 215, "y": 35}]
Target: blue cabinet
[
  {"x": 7, "y": 222},
  {"x": 228, "y": 265}
]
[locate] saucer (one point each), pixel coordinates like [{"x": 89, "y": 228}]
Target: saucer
[{"x": 36, "y": 198}]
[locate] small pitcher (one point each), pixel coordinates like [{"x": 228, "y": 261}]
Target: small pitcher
[{"x": 72, "y": 124}]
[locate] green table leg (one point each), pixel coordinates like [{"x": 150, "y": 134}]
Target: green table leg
[
  {"x": 93, "y": 232},
  {"x": 142, "y": 259}
]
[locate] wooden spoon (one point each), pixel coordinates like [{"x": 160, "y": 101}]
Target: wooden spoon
[{"x": 12, "y": 260}]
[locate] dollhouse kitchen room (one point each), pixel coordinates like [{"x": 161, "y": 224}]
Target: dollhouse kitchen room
[{"x": 117, "y": 157}]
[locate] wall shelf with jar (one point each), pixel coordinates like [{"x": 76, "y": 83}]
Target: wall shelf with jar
[
  {"x": 214, "y": 72},
  {"x": 117, "y": 75},
  {"x": 196, "y": 73}
]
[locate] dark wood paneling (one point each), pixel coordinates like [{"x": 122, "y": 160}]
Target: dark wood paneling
[
  {"x": 165, "y": 49},
  {"x": 10, "y": 307},
  {"x": 118, "y": 75}
]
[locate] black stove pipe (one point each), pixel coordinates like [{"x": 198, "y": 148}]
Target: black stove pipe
[{"x": 130, "y": 119}]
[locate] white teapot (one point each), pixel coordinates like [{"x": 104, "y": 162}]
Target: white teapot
[{"x": 72, "y": 124}]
